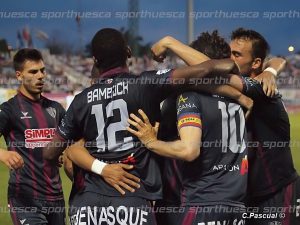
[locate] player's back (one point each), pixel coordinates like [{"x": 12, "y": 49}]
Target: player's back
[
  {"x": 100, "y": 115},
  {"x": 219, "y": 174}
]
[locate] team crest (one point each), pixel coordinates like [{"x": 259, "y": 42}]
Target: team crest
[
  {"x": 51, "y": 111},
  {"x": 109, "y": 81}
]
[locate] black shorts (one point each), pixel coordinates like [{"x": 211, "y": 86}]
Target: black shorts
[
  {"x": 37, "y": 212},
  {"x": 96, "y": 209},
  {"x": 282, "y": 207},
  {"x": 199, "y": 215}
]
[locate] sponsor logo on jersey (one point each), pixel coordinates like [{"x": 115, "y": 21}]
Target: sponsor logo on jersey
[
  {"x": 23, "y": 221},
  {"x": 182, "y": 99},
  {"x": 229, "y": 168},
  {"x": 189, "y": 119},
  {"x": 25, "y": 115},
  {"x": 51, "y": 111},
  {"x": 160, "y": 72},
  {"x": 185, "y": 106},
  {"x": 244, "y": 166},
  {"x": 38, "y": 138},
  {"x": 129, "y": 160}
]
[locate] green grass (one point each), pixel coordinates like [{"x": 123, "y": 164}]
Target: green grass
[
  {"x": 4, "y": 214},
  {"x": 295, "y": 139},
  {"x": 5, "y": 217}
]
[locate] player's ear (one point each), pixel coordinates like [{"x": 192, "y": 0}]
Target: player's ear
[
  {"x": 129, "y": 52},
  {"x": 256, "y": 64},
  {"x": 96, "y": 63},
  {"x": 19, "y": 75}
]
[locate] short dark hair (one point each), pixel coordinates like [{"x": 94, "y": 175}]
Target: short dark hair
[
  {"x": 212, "y": 45},
  {"x": 26, "y": 54},
  {"x": 109, "y": 48},
  {"x": 260, "y": 47}
]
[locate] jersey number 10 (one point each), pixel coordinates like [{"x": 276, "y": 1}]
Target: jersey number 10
[{"x": 233, "y": 127}]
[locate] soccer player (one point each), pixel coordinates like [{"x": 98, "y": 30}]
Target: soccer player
[
  {"x": 211, "y": 171},
  {"x": 28, "y": 122},
  {"x": 99, "y": 115},
  {"x": 273, "y": 181}
]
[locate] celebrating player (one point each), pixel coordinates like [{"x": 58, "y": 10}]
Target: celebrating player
[
  {"x": 99, "y": 115},
  {"x": 210, "y": 177}
]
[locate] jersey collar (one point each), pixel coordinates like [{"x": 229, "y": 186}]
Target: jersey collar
[
  {"x": 29, "y": 99},
  {"x": 114, "y": 71}
]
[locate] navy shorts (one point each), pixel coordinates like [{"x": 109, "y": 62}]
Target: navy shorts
[
  {"x": 282, "y": 207},
  {"x": 96, "y": 209},
  {"x": 199, "y": 215},
  {"x": 37, "y": 212}
]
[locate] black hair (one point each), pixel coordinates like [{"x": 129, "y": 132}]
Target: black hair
[
  {"x": 109, "y": 49},
  {"x": 26, "y": 54},
  {"x": 212, "y": 45},
  {"x": 260, "y": 47}
]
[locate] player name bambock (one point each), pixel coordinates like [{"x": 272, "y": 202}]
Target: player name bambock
[{"x": 98, "y": 94}]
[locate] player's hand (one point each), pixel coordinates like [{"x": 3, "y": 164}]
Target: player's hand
[
  {"x": 145, "y": 131},
  {"x": 247, "y": 103},
  {"x": 159, "y": 50},
  {"x": 117, "y": 176},
  {"x": 12, "y": 159},
  {"x": 60, "y": 161},
  {"x": 268, "y": 81}
]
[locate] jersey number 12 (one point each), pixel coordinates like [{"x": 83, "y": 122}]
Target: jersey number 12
[{"x": 112, "y": 128}]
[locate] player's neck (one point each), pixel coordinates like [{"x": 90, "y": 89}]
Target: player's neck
[
  {"x": 115, "y": 70},
  {"x": 255, "y": 73},
  {"x": 33, "y": 97}
]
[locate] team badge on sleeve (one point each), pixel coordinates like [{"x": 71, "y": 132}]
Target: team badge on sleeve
[
  {"x": 182, "y": 99},
  {"x": 189, "y": 119}
]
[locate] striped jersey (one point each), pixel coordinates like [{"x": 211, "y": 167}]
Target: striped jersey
[{"x": 28, "y": 126}]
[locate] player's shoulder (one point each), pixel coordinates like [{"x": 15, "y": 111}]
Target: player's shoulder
[
  {"x": 250, "y": 81},
  {"x": 51, "y": 103},
  {"x": 9, "y": 104},
  {"x": 188, "y": 96},
  {"x": 188, "y": 100}
]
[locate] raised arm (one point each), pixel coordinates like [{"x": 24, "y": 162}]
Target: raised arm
[
  {"x": 189, "y": 55},
  {"x": 267, "y": 78}
]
